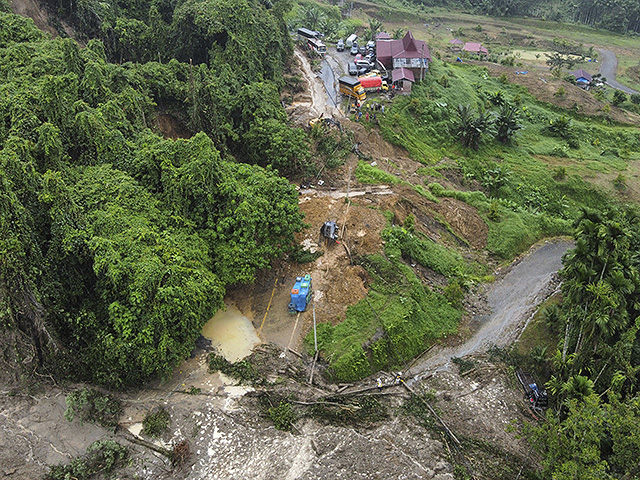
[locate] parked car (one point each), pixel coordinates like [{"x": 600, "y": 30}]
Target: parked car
[
  {"x": 340, "y": 45},
  {"x": 357, "y": 58},
  {"x": 363, "y": 70},
  {"x": 354, "y": 50},
  {"x": 351, "y": 67},
  {"x": 363, "y": 64},
  {"x": 362, "y": 49}
]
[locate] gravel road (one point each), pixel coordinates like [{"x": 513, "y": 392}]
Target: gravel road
[
  {"x": 608, "y": 67},
  {"x": 511, "y": 300}
]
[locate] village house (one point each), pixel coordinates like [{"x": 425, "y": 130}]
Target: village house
[
  {"x": 406, "y": 59},
  {"x": 474, "y": 48},
  {"x": 583, "y": 79},
  {"x": 456, "y": 45}
]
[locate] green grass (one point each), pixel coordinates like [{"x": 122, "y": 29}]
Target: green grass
[
  {"x": 397, "y": 320},
  {"x": 367, "y": 174},
  {"x": 538, "y": 333}
]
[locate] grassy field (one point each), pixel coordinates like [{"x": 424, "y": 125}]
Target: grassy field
[{"x": 503, "y": 35}]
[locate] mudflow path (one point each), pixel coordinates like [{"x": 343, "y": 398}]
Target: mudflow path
[
  {"x": 511, "y": 300},
  {"x": 317, "y": 104}
]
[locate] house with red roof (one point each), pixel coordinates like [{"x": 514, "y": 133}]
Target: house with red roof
[
  {"x": 408, "y": 54},
  {"x": 402, "y": 79},
  {"x": 456, "y": 45},
  {"x": 475, "y": 49}
]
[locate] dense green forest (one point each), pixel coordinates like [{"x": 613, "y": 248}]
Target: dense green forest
[{"x": 117, "y": 244}]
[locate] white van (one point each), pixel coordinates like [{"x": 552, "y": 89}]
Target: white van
[{"x": 352, "y": 38}]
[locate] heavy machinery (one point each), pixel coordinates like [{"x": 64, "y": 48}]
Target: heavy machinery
[
  {"x": 329, "y": 231},
  {"x": 301, "y": 294},
  {"x": 325, "y": 121},
  {"x": 535, "y": 397}
]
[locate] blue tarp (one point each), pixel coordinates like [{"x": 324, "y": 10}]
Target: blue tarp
[{"x": 300, "y": 294}]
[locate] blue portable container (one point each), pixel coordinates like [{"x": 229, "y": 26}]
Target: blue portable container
[{"x": 300, "y": 294}]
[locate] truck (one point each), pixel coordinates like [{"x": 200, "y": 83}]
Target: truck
[
  {"x": 373, "y": 83},
  {"x": 351, "y": 87},
  {"x": 350, "y": 39},
  {"x": 301, "y": 294}
]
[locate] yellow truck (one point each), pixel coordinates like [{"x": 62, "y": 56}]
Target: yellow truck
[{"x": 352, "y": 87}]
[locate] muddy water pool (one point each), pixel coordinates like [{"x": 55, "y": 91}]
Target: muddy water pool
[{"x": 232, "y": 333}]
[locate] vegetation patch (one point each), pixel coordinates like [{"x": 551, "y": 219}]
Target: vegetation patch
[
  {"x": 89, "y": 405},
  {"x": 102, "y": 458},
  {"x": 365, "y": 173},
  {"x": 243, "y": 370},
  {"x": 363, "y": 410},
  {"x": 399, "y": 318},
  {"x": 156, "y": 422}
]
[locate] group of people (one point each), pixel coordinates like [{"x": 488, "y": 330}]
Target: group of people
[
  {"x": 397, "y": 380},
  {"x": 370, "y": 111}
]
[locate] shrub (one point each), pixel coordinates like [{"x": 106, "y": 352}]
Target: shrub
[
  {"x": 454, "y": 294},
  {"x": 156, "y": 423},
  {"x": 559, "y": 173},
  {"x": 620, "y": 182},
  {"x": 242, "y": 370},
  {"x": 102, "y": 457},
  {"x": 300, "y": 255},
  {"x": 619, "y": 97},
  {"x": 92, "y": 406},
  {"x": 282, "y": 416}
]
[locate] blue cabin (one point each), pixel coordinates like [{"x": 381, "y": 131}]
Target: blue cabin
[{"x": 300, "y": 294}]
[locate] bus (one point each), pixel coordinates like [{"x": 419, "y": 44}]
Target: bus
[
  {"x": 317, "y": 46},
  {"x": 306, "y": 33}
]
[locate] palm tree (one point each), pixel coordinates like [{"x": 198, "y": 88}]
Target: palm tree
[
  {"x": 578, "y": 387},
  {"x": 398, "y": 33},
  {"x": 507, "y": 124},
  {"x": 471, "y": 125},
  {"x": 375, "y": 26},
  {"x": 312, "y": 17}
]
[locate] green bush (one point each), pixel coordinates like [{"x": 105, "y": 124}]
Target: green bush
[
  {"x": 90, "y": 405},
  {"x": 283, "y": 416},
  {"x": 300, "y": 255},
  {"x": 102, "y": 457},
  {"x": 156, "y": 423}
]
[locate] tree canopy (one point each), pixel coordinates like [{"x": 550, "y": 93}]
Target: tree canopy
[{"x": 117, "y": 243}]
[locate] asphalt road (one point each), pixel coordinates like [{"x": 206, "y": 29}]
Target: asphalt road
[{"x": 608, "y": 67}]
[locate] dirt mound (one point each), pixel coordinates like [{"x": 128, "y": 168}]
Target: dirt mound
[{"x": 542, "y": 85}]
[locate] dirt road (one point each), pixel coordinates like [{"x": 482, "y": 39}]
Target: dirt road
[
  {"x": 512, "y": 301},
  {"x": 608, "y": 67}
]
